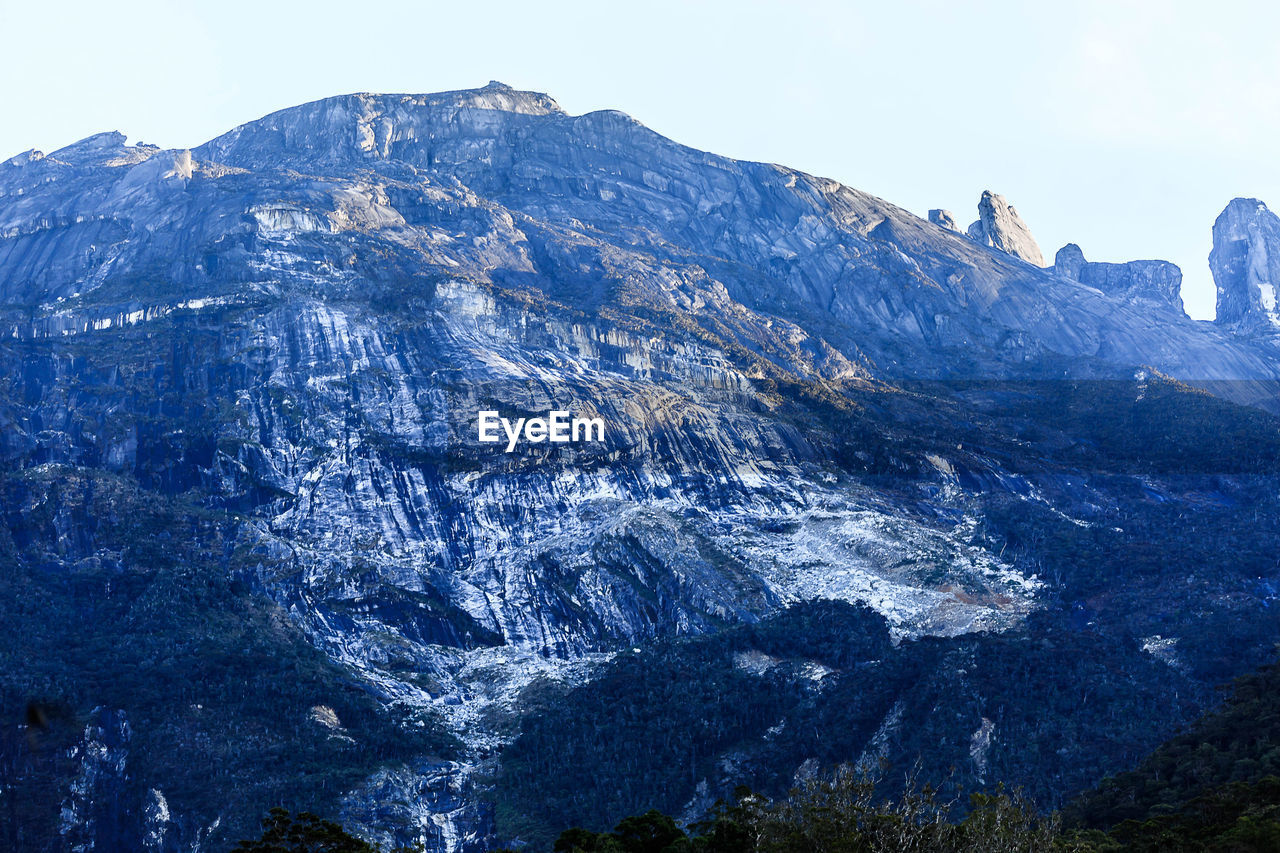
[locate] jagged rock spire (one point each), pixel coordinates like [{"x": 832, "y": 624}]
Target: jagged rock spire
[
  {"x": 1245, "y": 262},
  {"x": 1000, "y": 227}
]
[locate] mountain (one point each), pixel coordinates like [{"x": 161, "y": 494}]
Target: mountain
[{"x": 255, "y": 553}]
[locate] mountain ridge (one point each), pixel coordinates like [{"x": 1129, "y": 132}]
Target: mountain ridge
[{"x": 431, "y": 141}]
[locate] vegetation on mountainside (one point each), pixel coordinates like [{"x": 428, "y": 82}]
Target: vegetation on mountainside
[
  {"x": 1211, "y": 789},
  {"x": 843, "y": 813},
  {"x": 1176, "y": 802},
  {"x": 283, "y": 832},
  {"x": 219, "y": 687},
  {"x": 839, "y": 812},
  {"x": 821, "y": 683},
  {"x": 1225, "y": 765}
]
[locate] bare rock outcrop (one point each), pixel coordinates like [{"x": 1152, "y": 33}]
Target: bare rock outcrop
[
  {"x": 1160, "y": 281},
  {"x": 1000, "y": 227},
  {"x": 1245, "y": 261},
  {"x": 944, "y": 219}
]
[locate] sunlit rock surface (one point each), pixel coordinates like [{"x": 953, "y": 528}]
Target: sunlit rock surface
[
  {"x": 999, "y": 226},
  {"x": 1246, "y": 266}
]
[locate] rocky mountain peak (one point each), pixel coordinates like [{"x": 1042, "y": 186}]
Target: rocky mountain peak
[
  {"x": 31, "y": 155},
  {"x": 92, "y": 149},
  {"x": 1069, "y": 261},
  {"x": 1000, "y": 227},
  {"x": 499, "y": 96},
  {"x": 1245, "y": 262},
  {"x": 294, "y": 328},
  {"x": 495, "y": 95},
  {"x": 364, "y": 126},
  {"x": 1158, "y": 281},
  {"x": 95, "y": 142},
  {"x": 944, "y": 219}
]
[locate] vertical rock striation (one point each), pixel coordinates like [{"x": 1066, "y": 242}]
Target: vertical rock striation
[{"x": 93, "y": 816}]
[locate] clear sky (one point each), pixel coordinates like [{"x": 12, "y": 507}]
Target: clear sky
[{"x": 1123, "y": 126}]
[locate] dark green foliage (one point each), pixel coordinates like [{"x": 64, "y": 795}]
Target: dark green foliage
[
  {"x": 303, "y": 833},
  {"x": 1067, "y": 708},
  {"x": 217, "y": 684},
  {"x": 841, "y": 812},
  {"x": 1236, "y": 817},
  {"x": 1233, "y": 749},
  {"x": 651, "y": 832},
  {"x": 1215, "y": 787},
  {"x": 659, "y": 719},
  {"x": 1153, "y": 426},
  {"x": 1159, "y": 426}
]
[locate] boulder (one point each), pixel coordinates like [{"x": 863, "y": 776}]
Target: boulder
[{"x": 944, "y": 219}]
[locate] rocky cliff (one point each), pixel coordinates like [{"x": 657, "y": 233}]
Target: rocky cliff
[
  {"x": 240, "y": 407},
  {"x": 1245, "y": 261},
  {"x": 1157, "y": 281}
]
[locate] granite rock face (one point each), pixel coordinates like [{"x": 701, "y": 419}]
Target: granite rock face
[
  {"x": 944, "y": 219},
  {"x": 1245, "y": 261},
  {"x": 1070, "y": 262},
  {"x": 298, "y": 322},
  {"x": 999, "y": 226},
  {"x": 1157, "y": 281},
  {"x": 88, "y": 820},
  {"x": 907, "y": 299}
]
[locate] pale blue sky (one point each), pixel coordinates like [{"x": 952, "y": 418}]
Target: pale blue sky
[{"x": 1122, "y": 126}]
